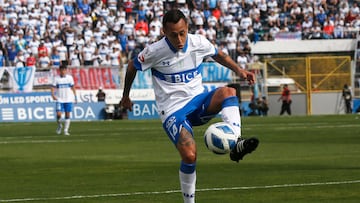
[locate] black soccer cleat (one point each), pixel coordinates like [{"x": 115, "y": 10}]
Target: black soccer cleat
[{"x": 243, "y": 147}]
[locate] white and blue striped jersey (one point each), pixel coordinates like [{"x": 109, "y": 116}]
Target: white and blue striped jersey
[
  {"x": 176, "y": 74},
  {"x": 63, "y": 87}
]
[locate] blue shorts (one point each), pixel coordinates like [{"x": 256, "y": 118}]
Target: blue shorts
[
  {"x": 192, "y": 114},
  {"x": 64, "y": 107}
]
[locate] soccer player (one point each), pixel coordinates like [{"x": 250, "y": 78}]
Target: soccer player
[
  {"x": 181, "y": 99},
  {"x": 64, "y": 93}
]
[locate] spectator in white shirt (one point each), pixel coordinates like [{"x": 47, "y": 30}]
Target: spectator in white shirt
[
  {"x": 97, "y": 58},
  {"x": 245, "y": 22},
  {"x": 242, "y": 60},
  {"x": 211, "y": 33},
  {"x": 104, "y": 50},
  {"x": 63, "y": 53},
  {"x": 231, "y": 39},
  {"x": 80, "y": 42},
  {"x": 87, "y": 54},
  {"x": 106, "y": 61},
  {"x": 44, "y": 62},
  {"x": 115, "y": 57},
  {"x": 34, "y": 44}
]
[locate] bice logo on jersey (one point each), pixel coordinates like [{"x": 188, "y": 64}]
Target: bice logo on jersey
[{"x": 181, "y": 77}]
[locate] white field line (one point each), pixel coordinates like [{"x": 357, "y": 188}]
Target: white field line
[
  {"x": 39, "y": 141},
  {"x": 177, "y": 191},
  {"x": 292, "y": 126}
]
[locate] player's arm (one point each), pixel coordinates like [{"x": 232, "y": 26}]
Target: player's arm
[
  {"x": 129, "y": 78},
  {"x": 74, "y": 92},
  {"x": 226, "y": 61},
  {"x": 53, "y": 93}
]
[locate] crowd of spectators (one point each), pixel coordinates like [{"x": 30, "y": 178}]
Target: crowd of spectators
[{"x": 109, "y": 32}]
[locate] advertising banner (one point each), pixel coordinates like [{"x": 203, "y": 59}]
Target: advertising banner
[
  {"x": 46, "y": 112},
  {"x": 88, "y": 78},
  {"x": 215, "y": 72},
  {"x": 43, "y": 78},
  {"x": 143, "y": 110},
  {"x": 107, "y": 77},
  {"x": 356, "y": 106},
  {"x": 33, "y": 107},
  {"x": 113, "y": 96},
  {"x": 2, "y": 70},
  {"x": 21, "y": 78},
  {"x": 288, "y": 36}
]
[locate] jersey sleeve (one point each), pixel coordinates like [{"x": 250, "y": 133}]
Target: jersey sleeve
[
  {"x": 206, "y": 48},
  {"x": 144, "y": 59}
]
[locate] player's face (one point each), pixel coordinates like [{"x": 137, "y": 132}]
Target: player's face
[
  {"x": 176, "y": 33},
  {"x": 62, "y": 71}
]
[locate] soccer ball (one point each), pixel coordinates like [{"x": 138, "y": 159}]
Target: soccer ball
[{"x": 220, "y": 138}]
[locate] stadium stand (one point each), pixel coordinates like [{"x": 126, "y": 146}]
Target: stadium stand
[{"x": 83, "y": 32}]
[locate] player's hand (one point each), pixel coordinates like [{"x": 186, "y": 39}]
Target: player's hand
[
  {"x": 126, "y": 103},
  {"x": 249, "y": 76}
]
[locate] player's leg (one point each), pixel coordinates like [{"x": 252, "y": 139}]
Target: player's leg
[
  {"x": 59, "y": 110},
  {"x": 283, "y": 108},
  {"x": 187, "y": 174},
  {"x": 67, "y": 123},
  {"x": 288, "y": 108},
  {"x": 68, "y": 109},
  {"x": 348, "y": 106},
  {"x": 180, "y": 133},
  {"x": 225, "y": 99}
]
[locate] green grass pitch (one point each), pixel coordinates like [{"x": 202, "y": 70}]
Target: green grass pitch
[{"x": 299, "y": 159}]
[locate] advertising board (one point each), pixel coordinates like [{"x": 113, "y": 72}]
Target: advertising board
[{"x": 39, "y": 106}]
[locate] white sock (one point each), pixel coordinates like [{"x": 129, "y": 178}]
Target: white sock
[
  {"x": 67, "y": 125},
  {"x": 231, "y": 115},
  {"x": 187, "y": 182}
]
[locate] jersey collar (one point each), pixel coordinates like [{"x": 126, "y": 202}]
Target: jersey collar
[{"x": 173, "y": 48}]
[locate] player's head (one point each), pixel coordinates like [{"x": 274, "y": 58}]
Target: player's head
[
  {"x": 63, "y": 69},
  {"x": 175, "y": 28}
]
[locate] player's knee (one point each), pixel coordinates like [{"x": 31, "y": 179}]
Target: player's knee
[
  {"x": 228, "y": 92},
  {"x": 189, "y": 157},
  {"x": 231, "y": 91},
  {"x": 187, "y": 151}
]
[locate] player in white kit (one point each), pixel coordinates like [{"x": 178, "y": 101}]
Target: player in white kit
[
  {"x": 180, "y": 96},
  {"x": 64, "y": 93}
]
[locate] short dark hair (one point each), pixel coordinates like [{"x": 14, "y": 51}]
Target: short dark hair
[
  {"x": 63, "y": 66},
  {"x": 173, "y": 16}
]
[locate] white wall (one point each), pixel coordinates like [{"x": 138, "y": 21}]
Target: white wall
[{"x": 303, "y": 46}]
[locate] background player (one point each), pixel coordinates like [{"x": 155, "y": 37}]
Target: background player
[{"x": 64, "y": 93}]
